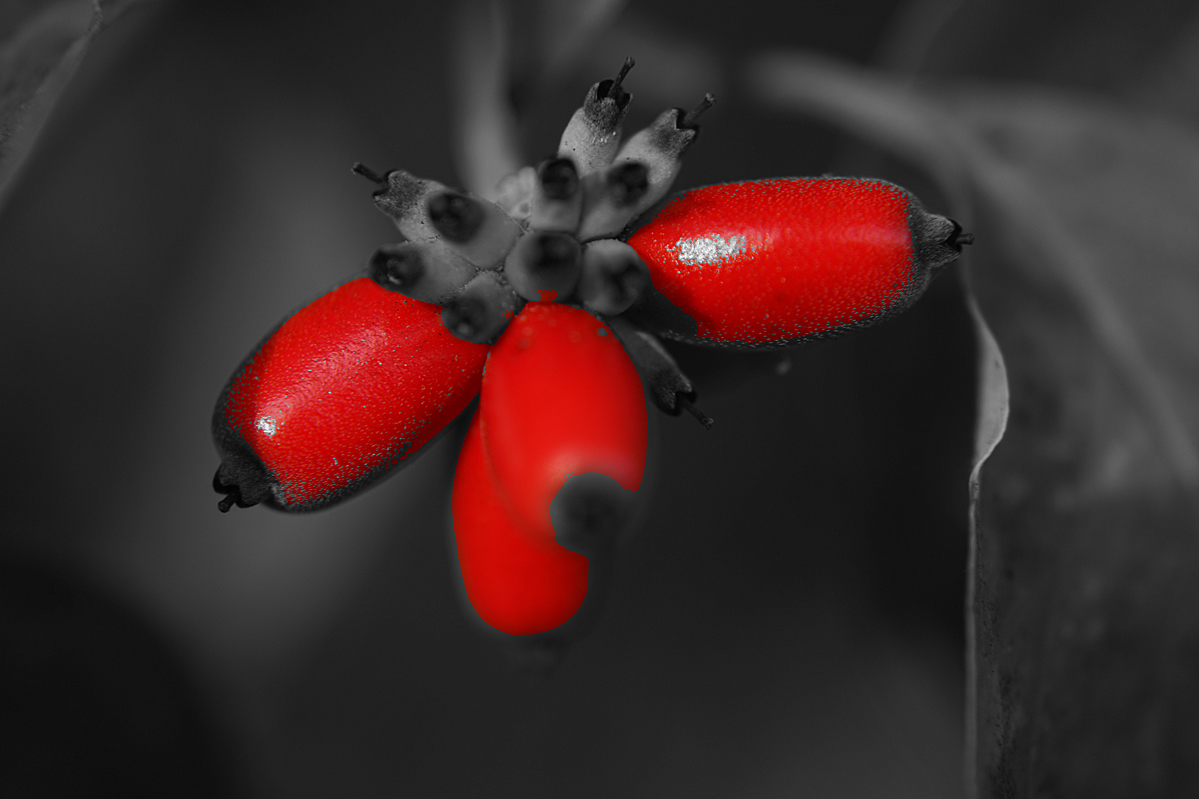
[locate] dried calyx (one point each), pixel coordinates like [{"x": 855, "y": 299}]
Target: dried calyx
[{"x": 556, "y": 234}]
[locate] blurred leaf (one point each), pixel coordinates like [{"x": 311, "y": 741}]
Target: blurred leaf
[
  {"x": 1146, "y": 53},
  {"x": 1169, "y": 82},
  {"x": 673, "y": 66},
  {"x": 485, "y": 146},
  {"x": 1085, "y": 598},
  {"x": 507, "y": 55},
  {"x": 568, "y": 29},
  {"x": 41, "y": 46},
  {"x": 1095, "y": 45},
  {"x": 97, "y": 700}
]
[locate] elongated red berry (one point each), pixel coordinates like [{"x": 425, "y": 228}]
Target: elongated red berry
[
  {"x": 518, "y": 583},
  {"x": 338, "y": 397},
  {"x": 563, "y": 416},
  {"x": 774, "y": 262}
]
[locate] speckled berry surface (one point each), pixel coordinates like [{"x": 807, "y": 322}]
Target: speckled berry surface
[
  {"x": 560, "y": 398},
  {"x": 518, "y": 584},
  {"x": 345, "y": 390},
  {"x": 775, "y": 261}
]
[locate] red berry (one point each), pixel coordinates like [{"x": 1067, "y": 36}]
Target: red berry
[
  {"x": 561, "y": 400},
  {"x": 338, "y": 396},
  {"x": 773, "y": 262},
  {"x": 517, "y": 583}
]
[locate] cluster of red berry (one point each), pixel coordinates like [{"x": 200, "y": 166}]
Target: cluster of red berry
[{"x": 549, "y": 303}]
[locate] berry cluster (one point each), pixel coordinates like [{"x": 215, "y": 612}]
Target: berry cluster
[
  {"x": 550, "y": 303},
  {"x": 552, "y": 235}
]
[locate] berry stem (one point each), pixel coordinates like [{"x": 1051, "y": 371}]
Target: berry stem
[
  {"x": 688, "y": 121},
  {"x": 360, "y": 168},
  {"x": 704, "y": 419},
  {"x": 624, "y": 70}
]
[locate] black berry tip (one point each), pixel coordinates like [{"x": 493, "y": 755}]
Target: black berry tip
[
  {"x": 232, "y": 494},
  {"x": 958, "y": 238},
  {"x": 589, "y": 511}
]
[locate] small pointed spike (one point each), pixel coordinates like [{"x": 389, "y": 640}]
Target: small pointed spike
[
  {"x": 360, "y": 168},
  {"x": 689, "y": 120},
  {"x": 704, "y": 419},
  {"x": 624, "y": 70}
]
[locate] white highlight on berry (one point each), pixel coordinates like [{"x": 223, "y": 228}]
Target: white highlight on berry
[
  {"x": 710, "y": 249},
  {"x": 267, "y": 425}
]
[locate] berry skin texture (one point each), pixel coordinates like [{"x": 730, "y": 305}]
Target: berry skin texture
[
  {"x": 564, "y": 426},
  {"x": 774, "y": 262},
  {"x": 338, "y": 397},
  {"x": 517, "y": 585}
]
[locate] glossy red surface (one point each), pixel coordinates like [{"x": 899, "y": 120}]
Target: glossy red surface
[
  {"x": 348, "y": 387},
  {"x": 560, "y": 397},
  {"x": 517, "y": 583},
  {"x": 772, "y": 261}
]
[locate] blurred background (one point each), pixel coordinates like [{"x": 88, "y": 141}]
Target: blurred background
[{"x": 788, "y": 621}]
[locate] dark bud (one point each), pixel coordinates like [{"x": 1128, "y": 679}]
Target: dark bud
[
  {"x": 466, "y": 317},
  {"x": 428, "y": 270},
  {"x": 558, "y": 198},
  {"x": 544, "y": 266},
  {"x": 613, "y": 277},
  {"x": 482, "y": 310},
  {"x": 555, "y": 252},
  {"x": 559, "y": 179},
  {"x": 397, "y": 267},
  {"x": 670, "y": 389},
  {"x": 455, "y": 216},
  {"x": 627, "y": 183}
]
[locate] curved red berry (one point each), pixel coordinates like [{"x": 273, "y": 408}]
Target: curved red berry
[
  {"x": 562, "y": 401},
  {"x": 338, "y": 396},
  {"x": 773, "y": 262},
  {"x": 517, "y": 583}
]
